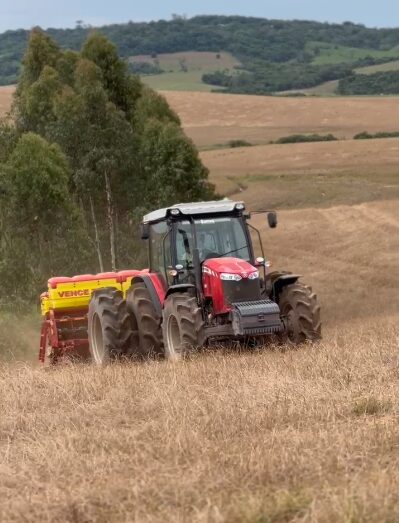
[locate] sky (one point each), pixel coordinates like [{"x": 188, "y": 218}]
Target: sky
[{"x": 25, "y": 14}]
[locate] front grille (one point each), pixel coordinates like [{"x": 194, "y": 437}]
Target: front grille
[
  {"x": 257, "y": 318},
  {"x": 243, "y": 290}
]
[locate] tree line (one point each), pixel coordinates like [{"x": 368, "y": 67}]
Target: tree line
[
  {"x": 386, "y": 82},
  {"x": 86, "y": 152},
  {"x": 270, "y": 78},
  {"x": 258, "y": 43}
]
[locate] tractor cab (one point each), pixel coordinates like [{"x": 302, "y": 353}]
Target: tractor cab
[{"x": 187, "y": 241}]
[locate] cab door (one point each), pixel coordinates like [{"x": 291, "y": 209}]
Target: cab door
[{"x": 160, "y": 252}]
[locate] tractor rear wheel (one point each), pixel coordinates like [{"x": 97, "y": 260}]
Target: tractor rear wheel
[
  {"x": 147, "y": 319},
  {"x": 112, "y": 333},
  {"x": 301, "y": 313},
  {"x": 182, "y": 325}
]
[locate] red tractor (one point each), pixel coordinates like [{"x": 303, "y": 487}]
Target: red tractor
[{"x": 204, "y": 285}]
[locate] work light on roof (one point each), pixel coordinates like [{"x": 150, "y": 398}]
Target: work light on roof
[
  {"x": 175, "y": 212},
  {"x": 240, "y": 206}
]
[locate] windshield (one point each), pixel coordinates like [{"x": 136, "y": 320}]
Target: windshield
[{"x": 215, "y": 237}]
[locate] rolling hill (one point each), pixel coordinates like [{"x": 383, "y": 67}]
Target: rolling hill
[
  {"x": 265, "y": 56},
  {"x": 183, "y": 71}
]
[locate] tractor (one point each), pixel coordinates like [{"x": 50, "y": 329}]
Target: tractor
[{"x": 204, "y": 285}]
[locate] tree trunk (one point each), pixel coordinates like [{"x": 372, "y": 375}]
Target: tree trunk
[
  {"x": 110, "y": 220},
  {"x": 96, "y": 236}
]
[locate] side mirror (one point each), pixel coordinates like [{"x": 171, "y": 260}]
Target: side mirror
[
  {"x": 144, "y": 231},
  {"x": 272, "y": 219}
]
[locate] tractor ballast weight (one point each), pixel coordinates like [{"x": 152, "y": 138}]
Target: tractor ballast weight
[{"x": 204, "y": 284}]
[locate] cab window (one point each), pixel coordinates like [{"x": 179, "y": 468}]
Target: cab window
[{"x": 160, "y": 258}]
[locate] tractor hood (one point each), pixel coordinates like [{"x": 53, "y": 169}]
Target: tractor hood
[{"x": 230, "y": 266}]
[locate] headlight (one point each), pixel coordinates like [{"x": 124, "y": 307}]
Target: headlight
[
  {"x": 254, "y": 275},
  {"x": 230, "y": 277}
]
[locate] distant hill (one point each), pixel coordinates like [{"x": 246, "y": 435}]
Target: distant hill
[{"x": 244, "y": 55}]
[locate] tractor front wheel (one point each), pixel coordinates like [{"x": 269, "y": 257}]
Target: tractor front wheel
[
  {"x": 110, "y": 327},
  {"x": 182, "y": 325},
  {"x": 300, "y": 311}
]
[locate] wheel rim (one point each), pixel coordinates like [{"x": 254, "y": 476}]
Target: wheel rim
[
  {"x": 173, "y": 337},
  {"x": 97, "y": 340}
]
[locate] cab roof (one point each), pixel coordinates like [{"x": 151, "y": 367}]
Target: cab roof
[{"x": 193, "y": 209}]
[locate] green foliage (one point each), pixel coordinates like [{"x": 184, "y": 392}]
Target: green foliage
[
  {"x": 89, "y": 151},
  {"x": 153, "y": 105},
  {"x": 122, "y": 89},
  {"x": 258, "y": 43},
  {"x": 261, "y": 78},
  {"x": 238, "y": 143},
  {"x": 326, "y": 53},
  {"x": 41, "y": 52},
  {"x": 144, "y": 68},
  {"x": 370, "y": 136},
  {"x": 37, "y": 176},
  {"x": 302, "y": 138},
  {"x": 8, "y": 139},
  {"x": 41, "y": 227},
  {"x": 166, "y": 156},
  {"x": 370, "y": 84}
]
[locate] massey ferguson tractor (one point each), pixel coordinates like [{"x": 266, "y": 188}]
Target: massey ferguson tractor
[{"x": 204, "y": 285}]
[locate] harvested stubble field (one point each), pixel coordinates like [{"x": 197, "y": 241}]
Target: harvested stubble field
[
  {"x": 308, "y": 174},
  {"x": 267, "y": 437},
  {"x": 272, "y": 436},
  {"x": 212, "y": 118},
  {"x": 6, "y": 93}
]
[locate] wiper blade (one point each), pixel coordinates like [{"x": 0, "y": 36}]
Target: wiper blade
[{"x": 231, "y": 252}]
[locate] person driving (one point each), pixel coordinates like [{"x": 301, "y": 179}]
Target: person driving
[{"x": 206, "y": 246}]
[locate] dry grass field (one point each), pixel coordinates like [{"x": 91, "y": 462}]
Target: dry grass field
[
  {"x": 212, "y": 118},
  {"x": 272, "y": 436},
  {"x": 308, "y": 174},
  {"x": 193, "y": 61},
  {"x": 5, "y": 98},
  {"x": 308, "y": 436}
]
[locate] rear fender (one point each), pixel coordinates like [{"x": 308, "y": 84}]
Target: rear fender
[
  {"x": 279, "y": 280},
  {"x": 184, "y": 287},
  {"x": 155, "y": 289}
]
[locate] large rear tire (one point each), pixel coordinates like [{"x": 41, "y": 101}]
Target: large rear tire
[
  {"x": 182, "y": 325},
  {"x": 147, "y": 319},
  {"x": 301, "y": 314},
  {"x": 111, "y": 329}
]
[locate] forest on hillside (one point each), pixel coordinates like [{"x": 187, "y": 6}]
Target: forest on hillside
[{"x": 275, "y": 54}]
